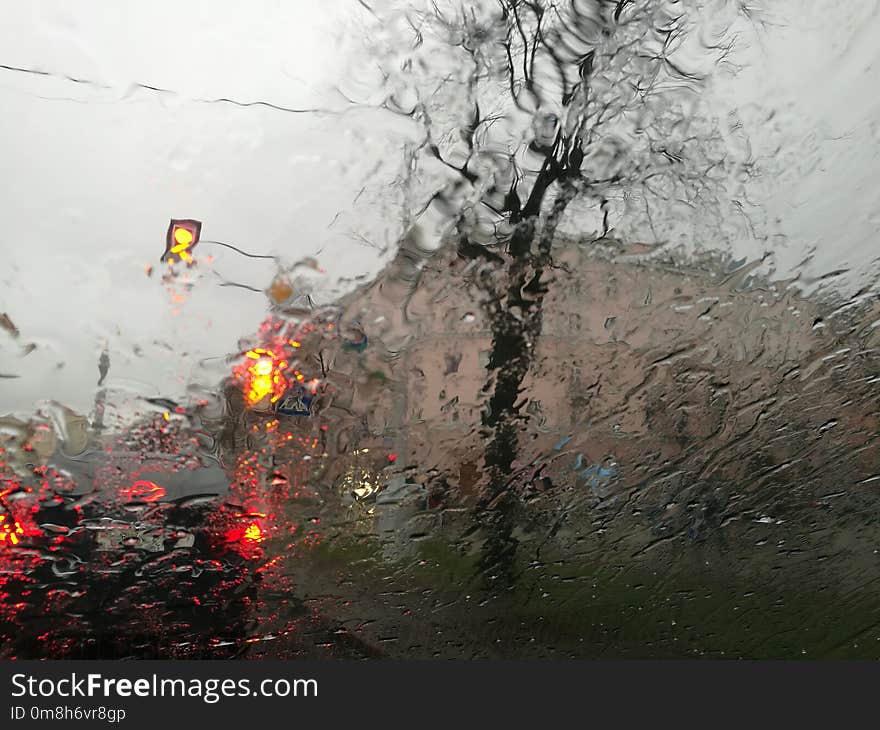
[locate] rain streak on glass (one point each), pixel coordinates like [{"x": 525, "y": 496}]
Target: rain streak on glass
[{"x": 505, "y": 329}]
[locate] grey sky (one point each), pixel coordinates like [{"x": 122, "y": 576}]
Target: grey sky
[
  {"x": 91, "y": 176},
  {"x": 816, "y": 66}
]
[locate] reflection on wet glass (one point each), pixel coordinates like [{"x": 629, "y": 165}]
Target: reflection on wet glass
[{"x": 584, "y": 409}]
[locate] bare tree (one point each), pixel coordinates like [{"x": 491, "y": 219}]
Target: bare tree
[{"x": 529, "y": 110}]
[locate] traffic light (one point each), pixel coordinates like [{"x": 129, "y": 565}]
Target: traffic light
[{"x": 181, "y": 239}]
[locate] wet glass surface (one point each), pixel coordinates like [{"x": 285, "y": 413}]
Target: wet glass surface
[{"x": 513, "y": 329}]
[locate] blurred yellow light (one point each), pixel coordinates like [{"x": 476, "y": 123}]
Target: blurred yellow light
[
  {"x": 10, "y": 531},
  {"x": 263, "y": 367},
  {"x": 183, "y": 236},
  {"x": 264, "y": 377},
  {"x": 261, "y": 386},
  {"x": 280, "y": 291}
]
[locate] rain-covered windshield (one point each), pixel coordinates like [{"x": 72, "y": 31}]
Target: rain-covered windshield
[{"x": 504, "y": 329}]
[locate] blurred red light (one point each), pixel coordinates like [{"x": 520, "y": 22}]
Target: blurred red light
[
  {"x": 143, "y": 491},
  {"x": 250, "y": 533}
]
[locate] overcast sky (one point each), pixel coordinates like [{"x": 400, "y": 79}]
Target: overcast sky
[{"x": 90, "y": 175}]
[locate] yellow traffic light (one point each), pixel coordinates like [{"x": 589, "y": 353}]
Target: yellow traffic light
[{"x": 181, "y": 239}]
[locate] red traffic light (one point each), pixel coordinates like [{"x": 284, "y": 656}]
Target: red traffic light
[{"x": 181, "y": 239}]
